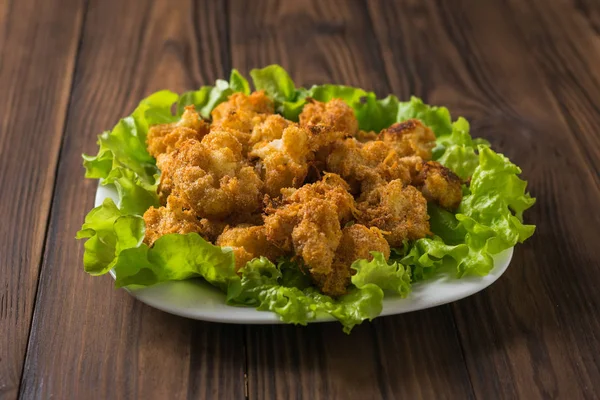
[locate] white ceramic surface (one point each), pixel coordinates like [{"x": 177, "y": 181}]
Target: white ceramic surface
[{"x": 198, "y": 300}]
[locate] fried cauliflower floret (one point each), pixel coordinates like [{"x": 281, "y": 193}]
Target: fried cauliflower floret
[
  {"x": 172, "y": 218},
  {"x": 357, "y": 242},
  {"x": 328, "y": 122},
  {"x": 317, "y": 235},
  {"x": 268, "y": 130},
  {"x": 282, "y": 215},
  {"x": 248, "y": 242},
  {"x": 212, "y": 228},
  {"x": 241, "y": 113},
  {"x": 399, "y": 211},
  {"x": 439, "y": 184},
  {"x": 366, "y": 136},
  {"x": 307, "y": 221},
  {"x": 283, "y": 160},
  {"x": 410, "y": 138},
  {"x": 212, "y": 176},
  {"x": 165, "y": 138},
  {"x": 331, "y": 188},
  {"x": 366, "y": 165}
]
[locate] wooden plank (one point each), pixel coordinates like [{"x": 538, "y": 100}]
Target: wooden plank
[
  {"x": 38, "y": 43},
  {"x": 89, "y": 340},
  {"x": 533, "y": 334},
  {"x": 563, "y": 38},
  {"x": 320, "y": 362}
]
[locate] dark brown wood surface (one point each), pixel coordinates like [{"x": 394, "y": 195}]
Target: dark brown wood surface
[{"x": 523, "y": 72}]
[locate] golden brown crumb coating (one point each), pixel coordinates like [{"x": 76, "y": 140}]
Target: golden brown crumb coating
[
  {"x": 331, "y": 188},
  {"x": 357, "y": 242},
  {"x": 399, "y": 211},
  {"x": 328, "y": 122},
  {"x": 165, "y": 138},
  {"x": 241, "y": 113},
  {"x": 366, "y": 136},
  {"x": 439, "y": 184},
  {"x": 248, "y": 242},
  {"x": 307, "y": 221},
  {"x": 317, "y": 235},
  {"x": 282, "y": 160},
  {"x": 410, "y": 138},
  {"x": 172, "y": 218},
  {"x": 366, "y": 165},
  {"x": 213, "y": 177}
]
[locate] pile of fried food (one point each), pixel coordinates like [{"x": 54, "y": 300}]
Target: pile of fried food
[{"x": 319, "y": 191}]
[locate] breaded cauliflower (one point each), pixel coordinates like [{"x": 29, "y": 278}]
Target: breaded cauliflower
[
  {"x": 439, "y": 184},
  {"x": 282, "y": 153},
  {"x": 357, "y": 242},
  {"x": 399, "y": 211},
  {"x": 248, "y": 242},
  {"x": 410, "y": 138},
  {"x": 165, "y": 138},
  {"x": 332, "y": 188},
  {"x": 172, "y": 218},
  {"x": 328, "y": 122},
  {"x": 366, "y": 165},
  {"x": 213, "y": 177},
  {"x": 241, "y": 113},
  {"x": 307, "y": 221}
]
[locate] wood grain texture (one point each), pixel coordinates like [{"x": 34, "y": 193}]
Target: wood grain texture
[
  {"x": 534, "y": 333},
  {"x": 88, "y": 340},
  {"x": 36, "y": 69},
  {"x": 321, "y": 362}
]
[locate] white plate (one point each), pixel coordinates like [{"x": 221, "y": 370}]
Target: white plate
[{"x": 198, "y": 300}]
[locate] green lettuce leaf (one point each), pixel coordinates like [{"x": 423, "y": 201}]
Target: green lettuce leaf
[
  {"x": 488, "y": 221},
  {"x": 125, "y": 145},
  {"x": 372, "y": 114},
  {"x": 276, "y": 83},
  {"x": 459, "y": 150},
  {"x": 207, "y": 98},
  {"x": 393, "y": 277},
  {"x": 262, "y": 287},
  {"x": 108, "y": 231},
  {"x": 176, "y": 257}
]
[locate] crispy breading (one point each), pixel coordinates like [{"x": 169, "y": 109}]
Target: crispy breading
[
  {"x": 241, "y": 113},
  {"x": 307, "y": 221},
  {"x": 172, "y": 218},
  {"x": 410, "y": 138},
  {"x": 399, "y": 211},
  {"x": 366, "y": 165},
  {"x": 282, "y": 215},
  {"x": 213, "y": 177},
  {"x": 268, "y": 130},
  {"x": 165, "y": 138},
  {"x": 328, "y": 122},
  {"x": 357, "y": 242},
  {"x": 331, "y": 188},
  {"x": 212, "y": 228},
  {"x": 283, "y": 155},
  {"x": 439, "y": 184},
  {"x": 366, "y": 136},
  {"x": 248, "y": 242},
  {"x": 317, "y": 235}
]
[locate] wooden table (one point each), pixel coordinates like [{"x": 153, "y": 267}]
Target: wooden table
[{"x": 524, "y": 72}]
